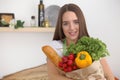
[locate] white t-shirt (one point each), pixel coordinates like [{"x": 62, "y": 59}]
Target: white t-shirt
[{"x": 57, "y": 45}]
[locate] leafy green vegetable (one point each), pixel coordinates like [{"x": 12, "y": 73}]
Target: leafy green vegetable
[
  {"x": 95, "y": 47},
  {"x": 19, "y": 24}
]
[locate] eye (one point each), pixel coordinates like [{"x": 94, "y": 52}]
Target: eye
[
  {"x": 76, "y": 21},
  {"x": 65, "y": 23}
]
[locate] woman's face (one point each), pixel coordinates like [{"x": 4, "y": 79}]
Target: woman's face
[{"x": 70, "y": 26}]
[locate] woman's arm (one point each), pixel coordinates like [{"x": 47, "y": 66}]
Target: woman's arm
[
  {"x": 108, "y": 73},
  {"x": 53, "y": 74}
]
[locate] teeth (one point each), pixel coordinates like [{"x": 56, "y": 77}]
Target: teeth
[{"x": 72, "y": 33}]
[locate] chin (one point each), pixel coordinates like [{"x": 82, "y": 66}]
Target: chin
[{"x": 74, "y": 39}]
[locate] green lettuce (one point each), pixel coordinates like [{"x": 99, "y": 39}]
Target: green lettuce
[{"x": 95, "y": 47}]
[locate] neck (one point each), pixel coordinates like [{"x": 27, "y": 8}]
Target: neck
[{"x": 68, "y": 42}]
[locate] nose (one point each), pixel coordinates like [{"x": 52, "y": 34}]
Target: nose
[{"x": 71, "y": 26}]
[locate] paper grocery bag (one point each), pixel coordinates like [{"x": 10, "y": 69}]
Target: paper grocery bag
[{"x": 92, "y": 72}]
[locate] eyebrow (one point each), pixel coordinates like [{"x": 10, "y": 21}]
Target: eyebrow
[{"x": 72, "y": 20}]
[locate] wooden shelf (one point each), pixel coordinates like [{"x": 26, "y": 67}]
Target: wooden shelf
[{"x": 38, "y": 29}]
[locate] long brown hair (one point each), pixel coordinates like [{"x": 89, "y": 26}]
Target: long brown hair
[{"x": 59, "y": 35}]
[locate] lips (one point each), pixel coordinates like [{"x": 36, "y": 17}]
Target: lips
[{"x": 73, "y": 33}]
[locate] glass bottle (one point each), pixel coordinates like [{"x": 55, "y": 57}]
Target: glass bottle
[
  {"x": 41, "y": 14},
  {"x": 33, "y": 21}
]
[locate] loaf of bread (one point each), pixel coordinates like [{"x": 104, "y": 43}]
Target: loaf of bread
[{"x": 51, "y": 54}]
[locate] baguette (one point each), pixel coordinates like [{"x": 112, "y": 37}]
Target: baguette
[{"x": 51, "y": 54}]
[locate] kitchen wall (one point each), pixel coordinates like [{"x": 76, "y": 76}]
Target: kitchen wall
[{"x": 22, "y": 50}]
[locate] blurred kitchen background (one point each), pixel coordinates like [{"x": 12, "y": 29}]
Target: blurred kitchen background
[{"x": 22, "y": 50}]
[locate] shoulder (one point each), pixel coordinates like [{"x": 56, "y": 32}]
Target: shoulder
[{"x": 57, "y": 45}]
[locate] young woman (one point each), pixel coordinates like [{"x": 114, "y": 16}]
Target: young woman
[{"x": 70, "y": 27}]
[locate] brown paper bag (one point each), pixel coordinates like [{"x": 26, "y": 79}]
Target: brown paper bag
[{"x": 92, "y": 72}]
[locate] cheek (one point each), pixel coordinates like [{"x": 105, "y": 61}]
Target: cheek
[
  {"x": 78, "y": 28},
  {"x": 65, "y": 31}
]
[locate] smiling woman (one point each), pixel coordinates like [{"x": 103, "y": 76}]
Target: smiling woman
[{"x": 102, "y": 21}]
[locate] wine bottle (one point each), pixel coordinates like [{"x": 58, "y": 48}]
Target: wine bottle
[{"x": 41, "y": 14}]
